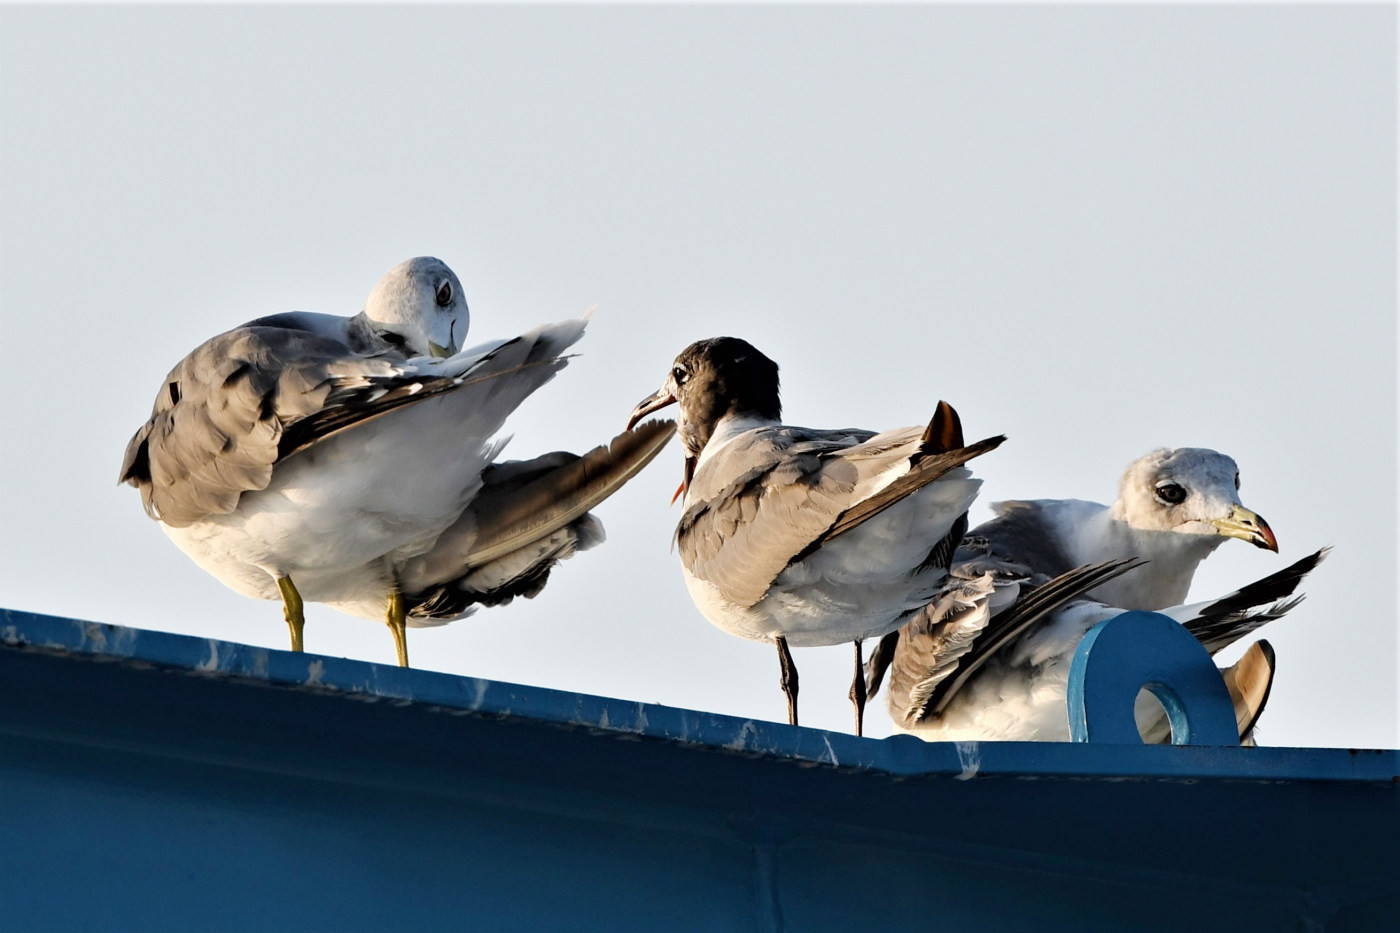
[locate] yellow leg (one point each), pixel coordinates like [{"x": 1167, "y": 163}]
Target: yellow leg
[
  {"x": 292, "y": 609},
  {"x": 397, "y": 618}
]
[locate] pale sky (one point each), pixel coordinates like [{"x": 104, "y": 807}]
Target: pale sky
[{"x": 1097, "y": 230}]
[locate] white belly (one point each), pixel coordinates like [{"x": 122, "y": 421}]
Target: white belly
[
  {"x": 334, "y": 512},
  {"x": 862, "y": 584}
]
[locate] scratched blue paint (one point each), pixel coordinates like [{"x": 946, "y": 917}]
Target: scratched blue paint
[
  {"x": 161, "y": 782},
  {"x": 1121, "y": 656}
]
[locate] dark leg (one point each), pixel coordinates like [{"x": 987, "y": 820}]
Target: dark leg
[
  {"x": 789, "y": 678},
  {"x": 858, "y": 690}
]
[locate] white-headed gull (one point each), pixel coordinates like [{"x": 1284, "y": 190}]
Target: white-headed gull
[
  {"x": 989, "y": 658},
  {"x": 346, "y": 460}
]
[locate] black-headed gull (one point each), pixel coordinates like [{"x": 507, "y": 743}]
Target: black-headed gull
[{"x": 803, "y": 537}]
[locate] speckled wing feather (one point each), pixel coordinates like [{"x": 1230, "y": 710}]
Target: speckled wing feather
[
  {"x": 972, "y": 562},
  {"x": 934, "y": 640},
  {"x": 947, "y": 643}
]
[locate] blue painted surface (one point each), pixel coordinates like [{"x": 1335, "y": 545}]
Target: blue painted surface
[
  {"x": 158, "y": 782},
  {"x": 1125, "y": 654}
]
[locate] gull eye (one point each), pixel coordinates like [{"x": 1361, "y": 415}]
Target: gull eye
[
  {"x": 680, "y": 375},
  {"x": 1237, "y": 482},
  {"x": 444, "y": 294},
  {"x": 1171, "y": 493}
]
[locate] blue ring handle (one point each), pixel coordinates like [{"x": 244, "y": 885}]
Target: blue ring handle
[{"x": 1136, "y": 650}]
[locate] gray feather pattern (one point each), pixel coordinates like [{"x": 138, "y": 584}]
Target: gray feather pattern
[
  {"x": 792, "y": 485},
  {"x": 215, "y": 435},
  {"x": 529, "y": 515},
  {"x": 795, "y": 489},
  {"x": 941, "y": 634},
  {"x": 1021, "y": 528}
]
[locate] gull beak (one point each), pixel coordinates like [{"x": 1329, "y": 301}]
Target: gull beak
[
  {"x": 1245, "y": 525},
  {"x": 685, "y": 483},
  {"x": 451, "y": 349},
  {"x": 651, "y": 403}
]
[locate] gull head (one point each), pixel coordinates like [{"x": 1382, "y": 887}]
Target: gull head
[
  {"x": 418, "y": 307},
  {"x": 1190, "y": 491},
  {"x": 712, "y": 379}
]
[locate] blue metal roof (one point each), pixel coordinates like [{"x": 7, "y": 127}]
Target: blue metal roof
[{"x": 158, "y": 781}]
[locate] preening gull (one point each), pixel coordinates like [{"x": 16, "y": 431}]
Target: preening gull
[
  {"x": 977, "y": 664},
  {"x": 802, "y": 537},
  {"x": 347, "y": 460}
]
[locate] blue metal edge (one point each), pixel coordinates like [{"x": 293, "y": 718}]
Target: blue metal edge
[{"x": 899, "y": 756}]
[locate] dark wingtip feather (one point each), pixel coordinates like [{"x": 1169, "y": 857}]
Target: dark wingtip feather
[
  {"x": 944, "y": 431},
  {"x": 1231, "y": 617}
]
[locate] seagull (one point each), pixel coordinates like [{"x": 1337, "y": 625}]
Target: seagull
[
  {"x": 959, "y": 677},
  {"x": 348, "y": 460},
  {"x": 803, "y": 537},
  {"x": 1174, "y": 508},
  {"x": 989, "y": 657}
]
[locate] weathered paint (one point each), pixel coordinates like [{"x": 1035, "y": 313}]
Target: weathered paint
[{"x": 156, "y": 781}]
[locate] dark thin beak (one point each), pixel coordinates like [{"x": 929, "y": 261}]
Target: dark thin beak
[
  {"x": 650, "y": 404},
  {"x": 685, "y": 483}
]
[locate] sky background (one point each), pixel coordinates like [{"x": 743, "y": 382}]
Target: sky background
[{"x": 1098, "y": 230}]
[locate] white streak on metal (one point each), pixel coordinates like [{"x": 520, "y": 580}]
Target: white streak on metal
[
  {"x": 969, "y": 759},
  {"x": 741, "y": 741},
  {"x": 480, "y": 687},
  {"x": 212, "y": 662}
]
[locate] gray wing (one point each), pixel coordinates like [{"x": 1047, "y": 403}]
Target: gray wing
[
  {"x": 980, "y": 584},
  {"x": 249, "y": 398},
  {"x": 943, "y": 645},
  {"x": 529, "y": 515},
  {"x": 760, "y": 502},
  {"x": 1024, "y": 532},
  {"x": 773, "y": 495},
  {"x": 220, "y": 416}
]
